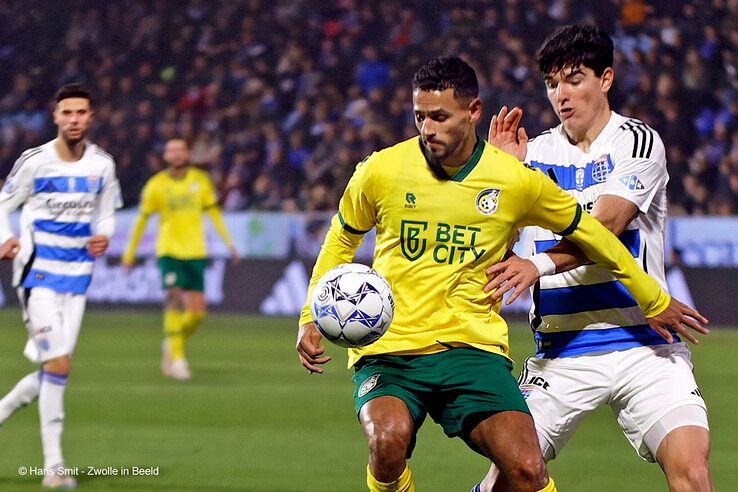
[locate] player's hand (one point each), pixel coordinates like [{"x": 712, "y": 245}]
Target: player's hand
[
  {"x": 514, "y": 273},
  {"x": 97, "y": 245},
  {"x": 505, "y": 134},
  {"x": 9, "y": 249},
  {"x": 233, "y": 253},
  {"x": 309, "y": 349},
  {"x": 680, "y": 318}
]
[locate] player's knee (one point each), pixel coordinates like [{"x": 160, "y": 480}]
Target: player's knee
[
  {"x": 174, "y": 298},
  {"x": 59, "y": 366},
  {"x": 528, "y": 474},
  {"x": 690, "y": 476},
  {"x": 388, "y": 444}
]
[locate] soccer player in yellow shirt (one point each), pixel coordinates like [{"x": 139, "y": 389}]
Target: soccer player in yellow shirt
[
  {"x": 179, "y": 194},
  {"x": 446, "y": 205}
]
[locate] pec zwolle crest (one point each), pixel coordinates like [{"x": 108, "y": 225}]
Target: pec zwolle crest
[{"x": 488, "y": 200}]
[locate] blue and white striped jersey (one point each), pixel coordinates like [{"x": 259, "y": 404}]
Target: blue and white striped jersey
[
  {"x": 586, "y": 310},
  {"x": 63, "y": 205}
]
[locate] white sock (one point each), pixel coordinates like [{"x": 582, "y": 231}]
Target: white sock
[
  {"x": 51, "y": 416},
  {"x": 23, "y": 393}
]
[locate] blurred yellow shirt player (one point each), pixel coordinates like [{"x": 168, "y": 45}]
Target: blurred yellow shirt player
[{"x": 179, "y": 195}]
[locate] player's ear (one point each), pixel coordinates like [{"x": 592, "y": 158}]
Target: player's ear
[
  {"x": 608, "y": 75},
  {"x": 475, "y": 109}
]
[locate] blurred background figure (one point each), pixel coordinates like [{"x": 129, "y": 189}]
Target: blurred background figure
[{"x": 179, "y": 195}]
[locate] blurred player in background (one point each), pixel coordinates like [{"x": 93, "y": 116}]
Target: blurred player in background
[
  {"x": 68, "y": 192},
  {"x": 444, "y": 205},
  {"x": 593, "y": 345},
  {"x": 179, "y": 194}
]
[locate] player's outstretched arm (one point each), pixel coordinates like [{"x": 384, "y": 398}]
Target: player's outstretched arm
[
  {"x": 309, "y": 349},
  {"x": 505, "y": 134},
  {"x": 662, "y": 311},
  {"x": 136, "y": 232},
  {"x": 553, "y": 209},
  {"x": 518, "y": 274},
  {"x": 216, "y": 218}
]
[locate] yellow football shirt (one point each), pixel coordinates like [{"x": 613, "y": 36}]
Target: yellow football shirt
[
  {"x": 436, "y": 237},
  {"x": 180, "y": 204}
]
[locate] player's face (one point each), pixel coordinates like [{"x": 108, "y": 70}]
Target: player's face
[
  {"x": 579, "y": 97},
  {"x": 445, "y": 123},
  {"x": 176, "y": 153},
  {"x": 73, "y": 117}
]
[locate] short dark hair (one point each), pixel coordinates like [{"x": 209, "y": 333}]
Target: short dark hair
[
  {"x": 447, "y": 72},
  {"x": 574, "y": 46},
  {"x": 72, "y": 90}
]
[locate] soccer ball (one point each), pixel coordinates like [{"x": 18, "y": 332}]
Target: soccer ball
[{"x": 352, "y": 305}]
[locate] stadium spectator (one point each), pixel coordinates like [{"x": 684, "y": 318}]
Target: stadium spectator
[{"x": 285, "y": 65}]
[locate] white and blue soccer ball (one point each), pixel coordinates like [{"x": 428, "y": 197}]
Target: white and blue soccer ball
[{"x": 352, "y": 305}]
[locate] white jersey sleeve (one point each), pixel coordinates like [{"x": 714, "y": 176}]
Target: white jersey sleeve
[
  {"x": 641, "y": 165},
  {"x": 109, "y": 201},
  {"x": 16, "y": 190}
]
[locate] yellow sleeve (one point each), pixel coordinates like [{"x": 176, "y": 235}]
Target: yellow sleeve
[
  {"x": 149, "y": 203},
  {"x": 217, "y": 219},
  {"x": 138, "y": 227},
  {"x": 147, "y": 206},
  {"x": 557, "y": 211},
  {"x": 355, "y": 217},
  {"x": 209, "y": 198}
]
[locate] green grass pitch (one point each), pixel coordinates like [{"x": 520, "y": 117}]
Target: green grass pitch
[{"x": 252, "y": 419}]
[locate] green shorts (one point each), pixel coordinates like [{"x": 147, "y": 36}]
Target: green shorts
[
  {"x": 458, "y": 388},
  {"x": 185, "y": 274}
]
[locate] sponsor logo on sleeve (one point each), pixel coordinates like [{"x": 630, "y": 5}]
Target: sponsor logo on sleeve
[{"x": 631, "y": 182}]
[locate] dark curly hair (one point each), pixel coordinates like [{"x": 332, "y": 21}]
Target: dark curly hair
[
  {"x": 448, "y": 72},
  {"x": 574, "y": 46}
]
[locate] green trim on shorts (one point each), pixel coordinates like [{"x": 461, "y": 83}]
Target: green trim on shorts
[
  {"x": 185, "y": 274},
  {"x": 458, "y": 388}
]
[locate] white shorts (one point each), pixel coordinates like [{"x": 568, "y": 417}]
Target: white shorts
[
  {"x": 53, "y": 321},
  {"x": 641, "y": 385}
]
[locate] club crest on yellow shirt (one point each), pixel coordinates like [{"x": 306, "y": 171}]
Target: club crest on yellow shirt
[{"x": 487, "y": 200}]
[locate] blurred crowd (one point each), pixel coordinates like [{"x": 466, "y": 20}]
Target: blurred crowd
[{"x": 280, "y": 99}]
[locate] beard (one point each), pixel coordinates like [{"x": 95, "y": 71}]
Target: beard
[
  {"x": 72, "y": 141},
  {"x": 435, "y": 166},
  {"x": 434, "y": 161}
]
